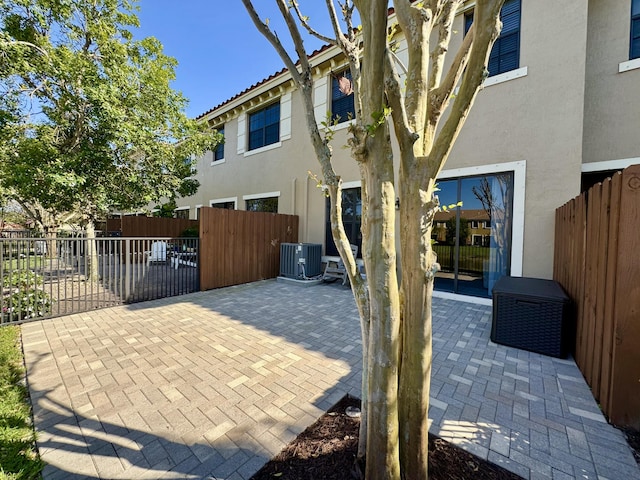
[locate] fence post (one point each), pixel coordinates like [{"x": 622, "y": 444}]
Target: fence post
[{"x": 127, "y": 269}]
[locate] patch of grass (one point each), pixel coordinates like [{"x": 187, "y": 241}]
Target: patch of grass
[
  {"x": 18, "y": 457},
  {"x": 24, "y": 263}
]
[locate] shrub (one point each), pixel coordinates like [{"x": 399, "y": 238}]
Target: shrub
[{"x": 23, "y": 297}]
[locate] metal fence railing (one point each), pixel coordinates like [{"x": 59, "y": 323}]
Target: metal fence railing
[{"x": 59, "y": 276}]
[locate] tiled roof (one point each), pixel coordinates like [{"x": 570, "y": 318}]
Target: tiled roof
[
  {"x": 261, "y": 82},
  {"x": 270, "y": 77}
]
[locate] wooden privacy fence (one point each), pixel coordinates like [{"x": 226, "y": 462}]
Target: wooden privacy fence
[
  {"x": 597, "y": 261},
  {"x": 140, "y": 226},
  {"x": 239, "y": 247}
]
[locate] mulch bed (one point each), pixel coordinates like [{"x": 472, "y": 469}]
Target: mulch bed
[{"x": 327, "y": 450}]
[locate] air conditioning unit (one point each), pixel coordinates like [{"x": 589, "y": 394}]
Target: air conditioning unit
[{"x": 300, "y": 260}]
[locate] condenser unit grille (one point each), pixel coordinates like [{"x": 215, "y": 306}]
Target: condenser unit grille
[{"x": 300, "y": 260}]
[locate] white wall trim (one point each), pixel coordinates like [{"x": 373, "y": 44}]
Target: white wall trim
[
  {"x": 224, "y": 200},
  {"x": 218, "y": 162},
  {"x": 506, "y": 76},
  {"x": 462, "y": 298},
  {"x": 519, "y": 170},
  {"x": 266, "y": 148},
  {"x": 610, "y": 165},
  {"x": 255, "y": 196},
  {"x": 629, "y": 65}
]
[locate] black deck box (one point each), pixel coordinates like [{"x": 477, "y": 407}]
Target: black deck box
[{"x": 532, "y": 314}]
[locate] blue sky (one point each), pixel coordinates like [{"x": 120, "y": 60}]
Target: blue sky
[{"x": 219, "y": 50}]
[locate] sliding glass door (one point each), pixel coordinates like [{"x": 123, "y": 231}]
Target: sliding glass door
[{"x": 473, "y": 240}]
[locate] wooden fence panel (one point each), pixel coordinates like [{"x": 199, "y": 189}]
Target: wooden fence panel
[
  {"x": 240, "y": 247},
  {"x": 625, "y": 380},
  {"x": 597, "y": 261},
  {"x": 609, "y": 292}
]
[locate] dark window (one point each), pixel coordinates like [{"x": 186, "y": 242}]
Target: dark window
[
  {"x": 635, "y": 29},
  {"x": 264, "y": 126},
  {"x": 182, "y": 213},
  {"x": 505, "y": 55},
  {"x": 351, "y": 219},
  {"x": 218, "y": 153},
  {"x": 342, "y": 109},
  {"x": 227, "y": 205},
  {"x": 269, "y": 205}
]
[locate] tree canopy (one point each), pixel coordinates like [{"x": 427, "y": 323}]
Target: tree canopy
[{"x": 88, "y": 119}]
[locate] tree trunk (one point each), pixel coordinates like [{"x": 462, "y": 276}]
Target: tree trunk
[
  {"x": 91, "y": 252},
  {"x": 418, "y": 262}
]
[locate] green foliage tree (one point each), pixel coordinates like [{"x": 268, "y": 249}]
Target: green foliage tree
[
  {"x": 463, "y": 234},
  {"x": 88, "y": 119},
  {"x": 395, "y": 315}
]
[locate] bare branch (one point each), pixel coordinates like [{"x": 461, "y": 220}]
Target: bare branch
[
  {"x": 298, "y": 42},
  {"x": 439, "y": 97},
  {"x": 273, "y": 39},
  {"x": 488, "y": 25},
  {"x": 305, "y": 23},
  {"x": 406, "y": 136},
  {"x": 444, "y": 19}
]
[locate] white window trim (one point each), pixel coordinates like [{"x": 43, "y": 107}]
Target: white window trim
[
  {"x": 348, "y": 185},
  {"x": 256, "y": 196},
  {"x": 458, "y": 297},
  {"x": 610, "y": 165},
  {"x": 343, "y": 125},
  {"x": 255, "y": 151},
  {"x": 182, "y": 208},
  {"x": 629, "y": 65},
  {"x": 224, "y": 200},
  {"x": 506, "y": 76},
  {"x": 519, "y": 170},
  {"x": 218, "y": 162}
]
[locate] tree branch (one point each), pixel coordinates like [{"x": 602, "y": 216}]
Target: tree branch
[
  {"x": 488, "y": 25},
  {"x": 264, "y": 29},
  {"x": 305, "y": 23},
  {"x": 439, "y": 97},
  {"x": 406, "y": 136},
  {"x": 444, "y": 19}
]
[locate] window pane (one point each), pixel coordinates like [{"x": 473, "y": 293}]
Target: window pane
[
  {"x": 256, "y": 120},
  {"x": 218, "y": 154},
  {"x": 342, "y": 108},
  {"x": 256, "y": 139},
  {"x": 269, "y": 205},
  {"x": 351, "y": 218},
  {"x": 635, "y": 8},
  {"x": 264, "y": 126},
  {"x": 272, "y": 134}
]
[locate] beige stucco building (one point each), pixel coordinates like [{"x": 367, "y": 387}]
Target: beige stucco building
[{"x": 560, "y": 107}]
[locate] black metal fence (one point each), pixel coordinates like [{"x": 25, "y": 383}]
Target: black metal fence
[{"x": 52, "y": 277}]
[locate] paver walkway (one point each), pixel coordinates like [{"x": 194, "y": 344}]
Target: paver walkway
[{"x": 213, "y": 384}]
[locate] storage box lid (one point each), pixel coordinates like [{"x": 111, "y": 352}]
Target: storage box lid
[{"x": 532, "y": 287}]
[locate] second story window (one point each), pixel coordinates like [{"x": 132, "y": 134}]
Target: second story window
[
  {"x": 634, "y": 50},
  {"x": 505, "y": 55},
  {"x": 264, "y": 126},
  {"x": 218, "y": 153},
  {"x": 342, "y": 109}
]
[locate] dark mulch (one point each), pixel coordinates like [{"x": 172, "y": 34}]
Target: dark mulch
[
  {"x": 327, "y": 450},
  {"x": 633, "y": 438}
]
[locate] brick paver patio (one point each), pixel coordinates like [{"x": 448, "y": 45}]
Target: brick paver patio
[{"x": 213, "y": 384}]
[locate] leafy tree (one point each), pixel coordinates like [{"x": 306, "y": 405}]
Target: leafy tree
[
  {"x": 463, "y": 234},
  {"x": 395, "y": 317},
  {"x": 88, "y": 120}
]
